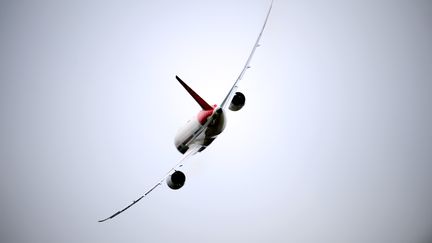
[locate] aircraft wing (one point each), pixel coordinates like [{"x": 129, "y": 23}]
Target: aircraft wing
[
  {"x": 232, "y": 91},
  {"x": 193, "y": 149}
]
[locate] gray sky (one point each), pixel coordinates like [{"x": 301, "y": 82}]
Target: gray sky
[{"x": 334, "y": 143}]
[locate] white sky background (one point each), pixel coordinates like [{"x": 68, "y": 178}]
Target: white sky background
[{"x": 334, "y": 143}]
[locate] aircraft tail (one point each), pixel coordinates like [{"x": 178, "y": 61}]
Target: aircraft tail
[{"x": 204, "y": 105}]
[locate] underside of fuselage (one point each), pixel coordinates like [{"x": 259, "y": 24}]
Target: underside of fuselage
[
  {"x": 203, "y": 129},
  {"x": 200, "y": 134}
]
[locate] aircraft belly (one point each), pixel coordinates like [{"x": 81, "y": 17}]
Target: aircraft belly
[
  {"x": 216, "y": 127},
  {"x": 185, "y": 134},
  {"x": 205, "y": 138}
]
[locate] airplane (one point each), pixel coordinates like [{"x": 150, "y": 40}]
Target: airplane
[{"x": 199, "y": 132}]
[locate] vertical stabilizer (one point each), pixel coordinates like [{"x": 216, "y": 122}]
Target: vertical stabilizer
[{"x": 204, "y": 105}]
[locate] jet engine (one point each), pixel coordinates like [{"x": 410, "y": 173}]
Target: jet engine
[
  {"x": 176, "y": 180},
  {"x": 237, "y": 102}
]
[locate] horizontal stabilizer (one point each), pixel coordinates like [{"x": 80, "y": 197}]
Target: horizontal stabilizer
[{"x": 204, "y": 105}]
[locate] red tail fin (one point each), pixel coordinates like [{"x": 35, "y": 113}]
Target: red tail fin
[{"x": 204, "y": 105}]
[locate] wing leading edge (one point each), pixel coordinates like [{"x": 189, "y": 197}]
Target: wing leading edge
[
  {"x": 193, "y": 149},
  {"x": 233, "y": 89}
]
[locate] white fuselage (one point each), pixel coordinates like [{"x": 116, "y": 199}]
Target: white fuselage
[{"x": 201, "y": 130}]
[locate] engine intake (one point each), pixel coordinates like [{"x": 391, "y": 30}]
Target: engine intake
[
  {"x": 176, "y": 180},
  {"x": 237, "y": 102}
]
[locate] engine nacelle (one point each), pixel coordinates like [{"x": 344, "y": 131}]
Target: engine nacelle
[
  {"x": 237, "y": 102},
  {"x": 176, "y": 180}
]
